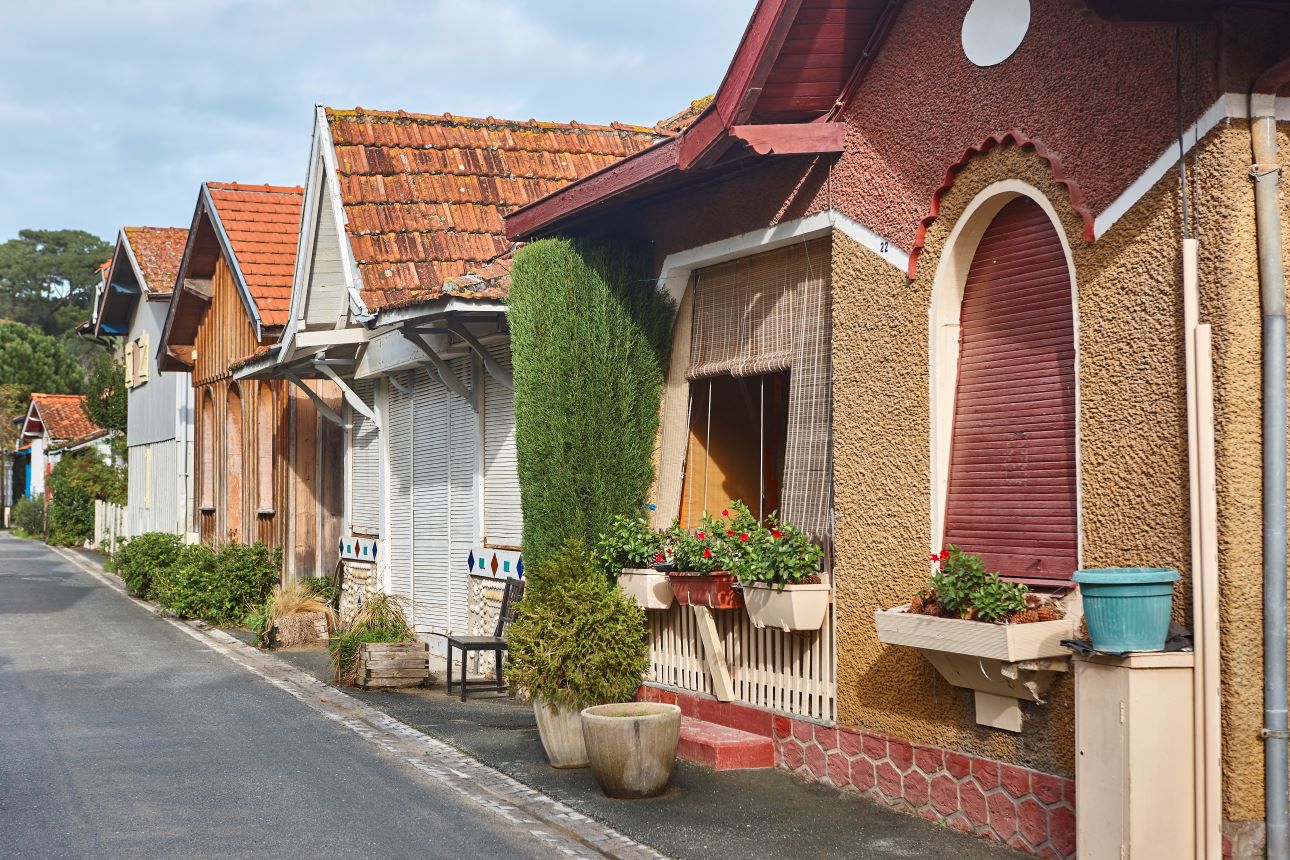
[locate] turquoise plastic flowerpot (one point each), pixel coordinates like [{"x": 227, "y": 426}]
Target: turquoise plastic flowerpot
[{"x": 1127, "y": 608}]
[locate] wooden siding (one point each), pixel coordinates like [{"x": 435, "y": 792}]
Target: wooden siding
[
  {"x": 225, "y": 333},
  {"x": 325, "y": 299}
]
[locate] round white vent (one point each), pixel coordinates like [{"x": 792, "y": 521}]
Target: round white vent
[{"x": 994, "y": 29}]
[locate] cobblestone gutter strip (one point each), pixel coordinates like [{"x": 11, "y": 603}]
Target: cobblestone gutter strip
[{"x": 545, "y": 819}]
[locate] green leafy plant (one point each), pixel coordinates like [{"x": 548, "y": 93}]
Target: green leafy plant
[
  {"x": 107, "y": 399},
  {"x": 630, "y": 542},
  {"x": 219, "y": 588},
  {"x": 590, "y": 336},
  {"x": 576, "y": 641},
  {"x": 965, "y": 589},
  {"x": 77, "y": 479},
  {"x": 380, "y": 620},
  {"x": 139, "y": 558},
  {"x": 28, "y": 516},
  {"x": 776, "y": 553}
]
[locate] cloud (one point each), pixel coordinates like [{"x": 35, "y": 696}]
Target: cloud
[{"x": 111, "y": 113}]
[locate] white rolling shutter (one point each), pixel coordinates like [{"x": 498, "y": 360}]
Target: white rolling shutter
[
  {"x": 398, "y": 543},
  {"x": 364, "y": 466},
  {"x": 464, "y": 490},
  {"x": 430, "y": 504},
  {"x": 503, "y": 520},
  {"x": 446, "y": 450}
]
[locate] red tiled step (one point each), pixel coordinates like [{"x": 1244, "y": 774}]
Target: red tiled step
[{"x": 723, "y": 748}]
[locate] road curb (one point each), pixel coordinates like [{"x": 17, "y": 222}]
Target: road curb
[{"x": 544, "y": 818}]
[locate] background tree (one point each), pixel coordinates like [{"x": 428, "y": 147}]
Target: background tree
[
  {"x": 107, "y": 397},
  {"x": 31, "y": 361},
  {"x": 47, "y": 277}
]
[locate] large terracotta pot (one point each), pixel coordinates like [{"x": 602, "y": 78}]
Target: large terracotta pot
[
  {"x": 714, "y": 590},
  {"x": 561, "y": 733},
  {"x": 632, "y": 746}
]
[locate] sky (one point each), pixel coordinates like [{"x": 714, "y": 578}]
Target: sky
[{"x": 112, "y": 113}]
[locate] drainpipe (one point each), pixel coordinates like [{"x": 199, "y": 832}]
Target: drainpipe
[{"x": 1266, "y": 172}]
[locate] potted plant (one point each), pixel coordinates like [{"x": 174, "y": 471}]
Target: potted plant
[
  {"x": 576, "y": 642},
  {"x": 696, "y": 561},
  {"x": 968, "y": 610},
  {"x": 379, "y": 649},
  {"x": 294, "y": 615},
  {"x": 1127, "y": 608},
  {"x": 778, "y": 569},
  {"x": 628, "y": 551}
]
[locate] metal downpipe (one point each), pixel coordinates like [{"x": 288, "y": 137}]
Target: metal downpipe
[{"x": 1266, "y": 173}]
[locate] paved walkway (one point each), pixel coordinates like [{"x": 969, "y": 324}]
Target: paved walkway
[
  {"x": 123, "y": 734},
  {"x": 488, "y": 749}
]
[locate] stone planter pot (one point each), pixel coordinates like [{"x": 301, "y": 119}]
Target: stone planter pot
[
  {"x": 651, "y": 589},
  {"x": 787, "y": 607},
  {"x": 714, "y": 590},
  {"x": 561, "y": 733},
  {"x": 632, "y": 746}
]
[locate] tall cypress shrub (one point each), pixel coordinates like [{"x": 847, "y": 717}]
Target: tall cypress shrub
[{"x": 590, "y": 335}]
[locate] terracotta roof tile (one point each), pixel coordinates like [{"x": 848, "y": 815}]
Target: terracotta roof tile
[
  {"x": 63, "y": 417},
  {"x": 678, "y": 122},
  {"x": 158, "y": 251},
  {"x": 262, "y": 223},
  {"x": 424, "y": 196}
]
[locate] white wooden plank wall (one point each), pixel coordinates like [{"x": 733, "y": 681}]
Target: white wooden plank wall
[{"x": 794, "y": 673}]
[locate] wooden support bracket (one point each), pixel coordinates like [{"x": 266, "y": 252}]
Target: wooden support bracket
[{"x": 715, "y": 655}]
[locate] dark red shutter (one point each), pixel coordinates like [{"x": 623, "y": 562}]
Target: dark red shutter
[{"x": 1012, "y": 492}]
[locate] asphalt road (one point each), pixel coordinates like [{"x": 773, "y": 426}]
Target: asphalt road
[{"x": 122, "y": 736}]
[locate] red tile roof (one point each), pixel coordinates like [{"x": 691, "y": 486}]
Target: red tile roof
[
  {"x": 424, "y": 196},
  {"x": 158, "y": 251},
  {"x": 678, "y": 122},
  {"x": 262, "y": 223},
  {"x": 64, "y": 418}
]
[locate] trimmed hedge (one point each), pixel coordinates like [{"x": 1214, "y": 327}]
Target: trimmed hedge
[
  {"x": 590, "y": 336},
  {"x": 28, "y": 516},
  {"x": 139, "y": 558},
  {"x": 217, "y": 587}
]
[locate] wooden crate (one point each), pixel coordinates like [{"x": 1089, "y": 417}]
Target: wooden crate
[{"x": 393, "y": 664}]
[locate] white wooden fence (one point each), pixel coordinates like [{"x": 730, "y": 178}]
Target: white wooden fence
[
  {"x": 109, "y": 524},
  {"x": 793, "y": 673}
]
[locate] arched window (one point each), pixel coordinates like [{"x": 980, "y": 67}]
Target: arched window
[
  {"x": 207, "y": 466},
  {"x": 233, "y": 459},
  {"x": 264, "y": 426},
  {"x": 1012, "y": 477}
]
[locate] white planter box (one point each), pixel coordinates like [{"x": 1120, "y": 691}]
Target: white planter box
[
  {"x": 787, "y": 608},
  {"x": 1010, "y": 643},
  {"x": 650, "y": 588}
]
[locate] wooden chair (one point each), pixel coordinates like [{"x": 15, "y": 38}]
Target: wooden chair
[{"x": 495, "y": 643}]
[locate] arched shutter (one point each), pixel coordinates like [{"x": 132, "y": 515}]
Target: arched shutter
[{"x": 1012, "y": 484}]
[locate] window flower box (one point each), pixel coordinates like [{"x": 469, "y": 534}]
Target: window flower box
[
  {"x": 801, "y": 606},
  {"x": 1008, "y": 642},
  {"x": 651, "y": 589},
  {"x": 714, "y": 590}
]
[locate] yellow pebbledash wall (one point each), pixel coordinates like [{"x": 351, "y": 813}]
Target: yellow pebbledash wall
[{"x": 1132, "y": 436}]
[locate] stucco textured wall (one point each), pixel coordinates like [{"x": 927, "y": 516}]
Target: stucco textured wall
[
  {"x": 1132, "y": 444},
  {"x": 1133, "y": 447}
]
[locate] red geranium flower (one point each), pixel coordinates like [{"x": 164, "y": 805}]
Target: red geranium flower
[
  {"x": 658, "y": 559},
  {"x": 707, "y": 553},
  {"x": 730, "y": 532},
  {"x": 945, "y": 553},
  {"x": 776, "y": 533},
  {"x": 700, "y": 535},
  {"x": 744, "y": 537},
  {"x": 935, "y": 557},
  {"x": 725, "y": 513}
]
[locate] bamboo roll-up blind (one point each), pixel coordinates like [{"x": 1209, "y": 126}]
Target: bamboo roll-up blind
[{"x": 771, "y": 312}]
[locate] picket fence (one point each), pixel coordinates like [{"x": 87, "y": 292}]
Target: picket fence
[
  {"x": 793, "y": 673},
  {"x": 109, "y": 524}
]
